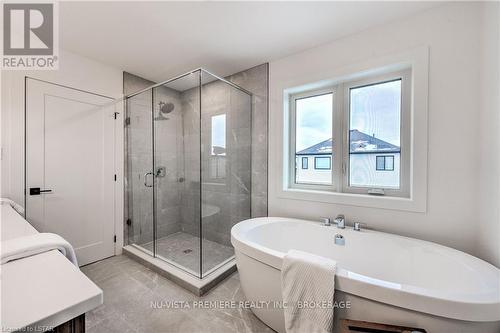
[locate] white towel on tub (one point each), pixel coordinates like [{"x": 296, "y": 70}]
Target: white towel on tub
[
  {"x": 308, "y": 279},
  {"x": 26, "y": 246}
]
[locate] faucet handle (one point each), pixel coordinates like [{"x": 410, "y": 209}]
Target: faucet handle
[
  {"x": 326, "y": 221},
  {"x": 340, "y": 221},
  {"x": 357, "y": 226}
]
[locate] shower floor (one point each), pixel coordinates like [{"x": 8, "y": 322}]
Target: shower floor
[{"x": 183, "y": 249}]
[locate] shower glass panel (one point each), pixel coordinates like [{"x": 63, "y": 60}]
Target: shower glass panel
[
  {"x": 188, "y": 170},
  {"x": 139, "y": 189},
  {"x": 176, "y": 112},
  {"x": 226, "y": 119}
]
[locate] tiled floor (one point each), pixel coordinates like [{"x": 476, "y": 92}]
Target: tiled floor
[
  {"x": 130, "y": 288},
  {"x": 184, "y": 250}
]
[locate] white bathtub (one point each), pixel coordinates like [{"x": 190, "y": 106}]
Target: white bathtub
[{"x": 386, "y": 278}]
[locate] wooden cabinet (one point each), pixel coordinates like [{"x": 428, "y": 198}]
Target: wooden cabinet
[{"x": 75, "y": 325}]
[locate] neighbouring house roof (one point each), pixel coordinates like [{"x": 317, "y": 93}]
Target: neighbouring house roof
[
  {"x": 360, "y": 143},
  {"x": 324, "y": 147}
]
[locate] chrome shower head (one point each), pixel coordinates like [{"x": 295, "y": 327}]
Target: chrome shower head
[{"x": 164, "y": 108}]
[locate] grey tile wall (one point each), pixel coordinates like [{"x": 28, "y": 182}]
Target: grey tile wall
[
  {"x": 169, "y": 154},
  {"x": 256, "y": 80}
]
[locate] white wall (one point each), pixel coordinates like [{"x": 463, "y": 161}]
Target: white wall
[
  {"x": 488, "y": 242},
  {"x": 452, "y": 32}
]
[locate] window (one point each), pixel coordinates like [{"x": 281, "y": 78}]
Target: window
[
  {"x": 313, "y": 132},
  {"x": 353, "y": 130},
  {"x": 385, "y": 163},
  {"x": 322, "y": 163},
  {"x": 219, "y": 135},
  {"x": 218, "y": 147},
  {"x": 374, "y": 127},
  {"x": 305, "y": 161}
]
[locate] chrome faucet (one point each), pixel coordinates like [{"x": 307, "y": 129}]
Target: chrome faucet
[
  {"x": 340, "y": 221},
  {"x": 326, "y": 221},
  {"x": 357, "y": 226}
]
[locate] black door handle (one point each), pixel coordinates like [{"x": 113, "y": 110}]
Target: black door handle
[{"x": 37, "y": 191}]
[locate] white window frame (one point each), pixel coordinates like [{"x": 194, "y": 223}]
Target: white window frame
[
  {"x": 340, "y": 133},
  {"x": 292, "y": 159}
]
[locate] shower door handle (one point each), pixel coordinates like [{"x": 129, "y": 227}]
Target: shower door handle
[{"x": 146, "y": 179}]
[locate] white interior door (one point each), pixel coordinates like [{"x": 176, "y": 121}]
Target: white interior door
[{"x": 70, "y": 156}]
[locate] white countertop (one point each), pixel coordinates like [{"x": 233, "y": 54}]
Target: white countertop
[{"x": 41, "y": 290}]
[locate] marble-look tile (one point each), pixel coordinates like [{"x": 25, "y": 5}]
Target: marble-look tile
[
  {"x": 255, "y": 80},
  {"x": 129, "y": 293}
]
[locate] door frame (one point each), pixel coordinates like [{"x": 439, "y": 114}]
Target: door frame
[{"x": 118, "y": 188}]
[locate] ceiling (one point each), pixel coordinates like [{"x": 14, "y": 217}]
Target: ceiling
[{"x": 159, "y": 40}]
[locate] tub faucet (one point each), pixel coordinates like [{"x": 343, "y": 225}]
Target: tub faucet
[
  {"x": 326, "y": 221},
  {"x": 340, "y": 221},
  {"x": 357, "y": 226}
]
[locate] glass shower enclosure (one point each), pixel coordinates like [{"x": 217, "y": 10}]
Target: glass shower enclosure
[{"x": 188, "y": 166}]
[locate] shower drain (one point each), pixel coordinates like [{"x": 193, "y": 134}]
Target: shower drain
[{"x": 187, "y": 251}]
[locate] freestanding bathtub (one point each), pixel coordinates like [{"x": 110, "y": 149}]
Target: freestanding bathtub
[{"x": 380, "y": 277}]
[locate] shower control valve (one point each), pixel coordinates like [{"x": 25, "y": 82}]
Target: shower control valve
[{"x": 161, "y": 171}]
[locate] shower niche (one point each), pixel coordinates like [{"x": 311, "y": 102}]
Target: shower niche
[{"x": 188, "y": 165}]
